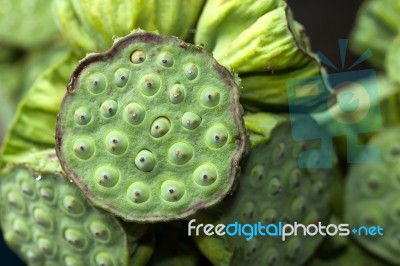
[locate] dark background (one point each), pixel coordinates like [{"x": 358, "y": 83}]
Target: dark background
[{"x": 325, "y": 22}]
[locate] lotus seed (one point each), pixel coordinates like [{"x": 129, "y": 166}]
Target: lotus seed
[
  {"x": 134, "y": 113},
  {"x": 42, "y": 218},
  {"x": 121, "y": 77},
  {"x": 251, "y": 248},
  {"x": 26, "y": 189},
  {"x": 205, "y": 175},
  {"x": 274, "y": 186},
  {"x": 172, "y": 190},
  {"x": 160, "y": 127},
  {"x": 145, "y": 161},
  {"x": 150, "y": 84},
  {"x": 294, "y": 179},
  {"x": 46, "y": 246},
  {"x": 272, "y": 257},
  {"x": 269, "y": 216},
  {"x": 180, "y": 153},
  {"x": 82, "y": 116},
  {"x": 21, "y": 229},
  {"x": 248, "y": 210},
  {"x": 83, "y": 148},
  {"x": 71, "y": 261},
  {"x": 318, "y": 189},
  {"x": 190, "y": 120},
  {"x": 293, "y": 248},
  {"x": 75, "y": 238},
  {"x": 138, "y": 192},
  {"x": 216, "y": 136},
  {"x": 279, "y": 153},
  {"x": 16, "y": 201},
  {"x": 116, "y": 142},
  {"x": 72, "y": 205},
  {"x": 257, "y": 175},
  {"x": 165, "y": 59},
  {"x": 100, "y": 231},
  {"x": 177, "y": 93},
  {"x": 47, "y": 193},
  {"x": 138, "y": 57},
  {"x": 109, "y": 108},
  {"x": 97, "y": 83},
  {"x": 107, "y": 176},
  {"x": 299, "y": 207},
  {"x": 210, "y": 97},
  {"x": 104, "y": 259},
  {"x": 191, "y": 71}
]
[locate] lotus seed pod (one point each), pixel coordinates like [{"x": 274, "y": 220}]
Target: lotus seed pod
[
  {"x": 372, "y": 197},
  {"x": 272, "y": 189},
  {"x": 33, "y": 125},
  {"x": 169, "y": 125},
  {"x": 376, "y": 26},
  {"x": 31, "y": 23},
  {"x": 47, "y": 221},
  {"x": 82, "y": 21}
]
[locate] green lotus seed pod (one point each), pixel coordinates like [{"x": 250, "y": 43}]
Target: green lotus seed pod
[
  {"x": 33, "y": 125},
  {"x": 266, "y": 195},
  {"x": 376, "y": 26},
  {"x": 83, "y": 23},
  {"x": 54, "y": 224},
  {"x": 31, "y": 23},
  {"x": 165, "y": 127},
  {"x": 371, "y": 197}
]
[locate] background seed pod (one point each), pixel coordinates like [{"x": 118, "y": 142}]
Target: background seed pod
[
  {"x": 91, "y": 26},
  {"x": 393, "y": 59},
  {"x": 272, "y": 188},
  {"x": 46, "y": 220},
  {"x": 145, "y": 116},
  {"x": 261, "y": 42},
  {"x": 372, "y": 196}
]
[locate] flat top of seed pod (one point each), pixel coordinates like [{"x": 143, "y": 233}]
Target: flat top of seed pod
[
  {"x": 46, "y": 221},
  {"x": 152, "y": 130},
  {"x": 272, "y": 189},
  {"x": 372, "y": 196}
]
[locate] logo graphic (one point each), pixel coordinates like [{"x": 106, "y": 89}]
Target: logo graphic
[{"x": 349, "y": 110}]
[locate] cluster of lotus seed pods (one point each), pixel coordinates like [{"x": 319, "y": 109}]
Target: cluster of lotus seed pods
[
  {"x": 151, "y": 130},
  {"x": 372, "y": 197},
  {"x": 47, "y": 221},
  {"x": 272, "y": 188}
]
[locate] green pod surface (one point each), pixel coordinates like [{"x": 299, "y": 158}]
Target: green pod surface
[
  {"x": 91, "y": 26},
  {"x": 33, "y": 126},
  {"x": 272, "y": 189},
  {"x": 27, "y": 24},
  {"x": 145, "y": 116},
  {"x": 372, "y": 197},
  {"x": 47, "y": 221},
  {"x": 376, "y": 26}
]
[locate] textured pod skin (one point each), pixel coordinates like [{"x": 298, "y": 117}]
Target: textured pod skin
[
  {"x": 33, "y": 125},
  {"x": 272, "y": 188},
  {"x": 135, "y": 137},
  {"x": 46, "y": 220},
  {"x": 31, "y": 22},
  {"x": 376, "y": 26},
  {"x": 372, "y": 196},
  {"x": 84, "y": 23},
  {"x": 261, "y": 42}
]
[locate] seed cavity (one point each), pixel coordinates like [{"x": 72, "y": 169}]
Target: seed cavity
[
  {"x": 180, "y": 153},
  {"x": 165, "y": 59},
  {"x": 150, "y": 84},
  {"x": 216, "y": 136},
  {"x": 177, "y": 93},
  {"x": 299, "y": 207},
  {"x": 75, "y": 238},
  {"x": 42, "y": 218},
  {"x": 134, "y": 113},
  {"x": 16, "y": 201},
  {"x": 82, "y": 116},
  {"x": 191, "y": 71},
  {"x": 97, "y": 83},
  {"x": 145, "y": 161},
  {"x": 109, "y": 108},
  {"x": 138, "y": 192},
  {"x": 190, "y": 120},
  {"x": 172, "y": 191},
  {"x": 47, "y": 193},
  {"x": 257, "y": 175},
  {"x": 274, "y": 186},
  {"x": 116, "y": 142},
  {"x": 160, "y": 127},
  {"x": 121, "y": 77},
  {"x": 83, "y": 148},
  {"x": 21, "y": 229},
  {"x": 46, "y": 246},
  {"x": 205, "y": 175},
  {"x": 210, "y": 97},
  {"x": 71, "y": 261},
  {"x": 72, "y": 205},
  {"x": 100, "y": 231},
  {"x": 107, "y": 176},
  {"x": 269, "y": 216},
  {"x": 104, "y": 259},
  {"x": 248, "y": 210},
  {"x": 138, "y": 57}
]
